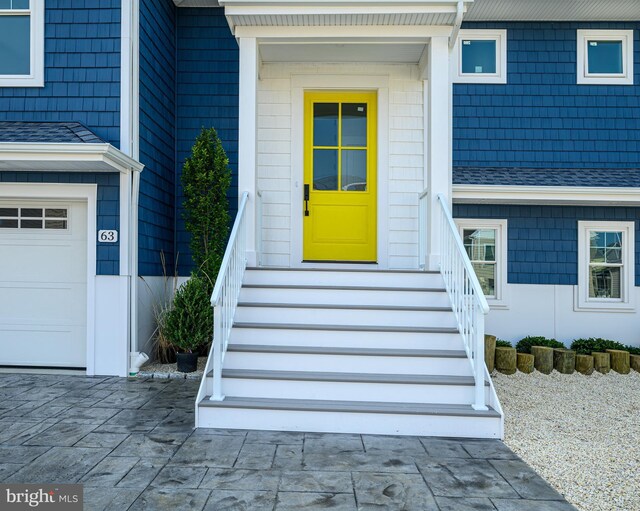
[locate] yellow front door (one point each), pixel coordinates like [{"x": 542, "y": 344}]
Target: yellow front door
[{"x": 340, "y": 167}]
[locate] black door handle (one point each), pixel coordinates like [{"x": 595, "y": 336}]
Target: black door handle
[{"x": 306, "y": 200}]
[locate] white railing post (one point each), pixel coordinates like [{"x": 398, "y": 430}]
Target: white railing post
[
  {"x": 216, "y": 394},
  {"x": 478, "y": 363}
]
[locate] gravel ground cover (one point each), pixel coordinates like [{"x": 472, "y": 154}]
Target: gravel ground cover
[
  {"x": 581, "y": 433},
  {"x": 155, "y": 370}
]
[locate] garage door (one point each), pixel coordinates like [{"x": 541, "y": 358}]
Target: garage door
[{"x": 43, "y": 283}]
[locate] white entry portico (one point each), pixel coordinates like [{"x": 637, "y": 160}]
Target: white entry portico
[{"x": 401, "y": 50}]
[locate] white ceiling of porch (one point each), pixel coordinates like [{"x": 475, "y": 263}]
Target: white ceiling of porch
[{"x": 341, "y": 53}]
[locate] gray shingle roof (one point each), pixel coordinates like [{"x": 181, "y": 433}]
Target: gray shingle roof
[
  {"x": 61, "y": 132},
  {"x": 610, "y": 178}
]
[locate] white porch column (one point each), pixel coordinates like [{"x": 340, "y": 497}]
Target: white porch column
[
  {"x": 247, "y": 137},
  {"x": 438, "y": 147}
]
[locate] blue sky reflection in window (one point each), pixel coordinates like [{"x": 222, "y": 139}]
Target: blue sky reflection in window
[
  {"x": 478, "y": 56},
  {"x": 605, "y": 57}
]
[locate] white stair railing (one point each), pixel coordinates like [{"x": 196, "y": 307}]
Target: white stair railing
[
  {"x": 224, "y": 301},
  {"x": 467, "y": 298}
]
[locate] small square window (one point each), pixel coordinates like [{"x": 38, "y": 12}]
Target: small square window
[
  {"x": 21, "y": 43},
  {"x": 605, "y": 57},
  {"x": 480, "y": 56}
]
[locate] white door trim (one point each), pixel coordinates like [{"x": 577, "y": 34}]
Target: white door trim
[
  {"x": 300, "y": 83},
  {"x": 76, "y": 192}
]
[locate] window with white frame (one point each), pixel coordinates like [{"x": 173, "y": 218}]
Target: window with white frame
[
  {"x": 605, "y": 57},
  {"x": 605, "y": 265},
  {"x": 21, "y": 43},
  {"x": 480, "y": 56},
  {"x": 485, "y": 241}
]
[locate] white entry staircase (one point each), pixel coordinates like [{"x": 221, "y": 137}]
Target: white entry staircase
[{"x": 347, "y": 351}]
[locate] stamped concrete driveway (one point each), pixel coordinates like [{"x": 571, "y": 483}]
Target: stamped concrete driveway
[{"x": 131, "y": 443}]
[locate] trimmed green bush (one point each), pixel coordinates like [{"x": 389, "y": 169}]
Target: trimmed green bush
[
  {"x": 188, "y": 324},
  {"x": 588, "y": 346},
  {"x": 503, "y": 344},
  {"x": 524, "y": 345}
]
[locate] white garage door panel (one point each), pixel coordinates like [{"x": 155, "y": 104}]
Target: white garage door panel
[
  {"x": 65, "y": 303},
  {"x": 43, "y": 290},
  {"x": 44, "y": 345}
]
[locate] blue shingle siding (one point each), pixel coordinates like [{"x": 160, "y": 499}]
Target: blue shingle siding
[
  {"x": 82, "y": 70},
  {"x": 108, "y": 207},
  {"x": 543, "y": 240},
  {"x": 157, "y": 135},
  {"x": 541, "y": 118},
  {"x": 207, "y": 97}
]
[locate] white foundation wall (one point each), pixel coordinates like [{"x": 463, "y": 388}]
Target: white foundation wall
[
  {"x": 109, "y": 355},
  {"x": 278, "y": 175},
  {"x": 549, "y": 311}
]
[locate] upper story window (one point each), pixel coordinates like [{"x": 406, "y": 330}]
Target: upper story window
[
  {"x": 480, "y": 56},
  {"x": 485, "y": 243},
  {"x": 605, "y": 57},
  {"x": 605, "y": 265},
  {"x": 21, "y": 43}
]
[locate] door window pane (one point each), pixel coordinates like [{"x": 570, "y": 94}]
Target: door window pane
[
  {"x": 478, "y": 56},
  {"x": 605, "y": 57},
  {"x": 15, "y": 45},
  {"x": 325, "y": 124},
  {"x": 354, "y": 125},
  {"x": 325, "y": 169},
  {"x": 354, "y": 170}
]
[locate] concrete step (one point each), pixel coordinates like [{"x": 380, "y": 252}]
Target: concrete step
[
  {"x": 435, "y": 389},
  {"x": 330, "y": 416},
  {"x": 331, "y": 359}
]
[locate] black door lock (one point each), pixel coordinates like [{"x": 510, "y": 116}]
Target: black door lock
[{"x": 306, "y": 200}]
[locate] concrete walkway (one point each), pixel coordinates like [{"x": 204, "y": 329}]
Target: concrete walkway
[{"x": 133, "y": 446}]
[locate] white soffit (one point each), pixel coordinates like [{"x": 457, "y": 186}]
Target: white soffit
[
  {"x": 339, "y": 53},
  {"x": 554, "y": 10}
]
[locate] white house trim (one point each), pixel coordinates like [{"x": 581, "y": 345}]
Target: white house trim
[
  {"x": 359, "y": 32},
  {"x": 83, "y": 192},
  {"x": 549, "y": 195},
  {"x": 300, "y": 83}
]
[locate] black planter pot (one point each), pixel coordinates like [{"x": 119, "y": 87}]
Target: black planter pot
[{"x": 187, "y": 362}]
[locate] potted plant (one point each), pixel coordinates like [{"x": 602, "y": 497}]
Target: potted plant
[{"x": 188, "y": 324}]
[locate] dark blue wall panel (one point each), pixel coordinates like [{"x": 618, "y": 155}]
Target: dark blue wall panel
[
  {"x": 207, "y": 97},
  {"x": 543, "y": 240},
  {"x": 82, "y": 70},
  {"x": 157, "y": 135},
  {"x": 541, "y": 117},
  {"x": 108, "y": 207}
]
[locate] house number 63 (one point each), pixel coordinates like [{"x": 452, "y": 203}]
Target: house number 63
[{"x": 108, "y": 236}]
